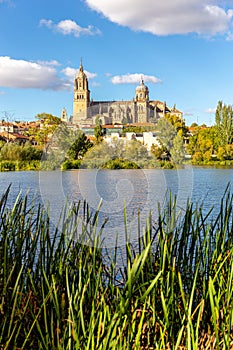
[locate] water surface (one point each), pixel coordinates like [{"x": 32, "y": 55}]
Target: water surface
[{"x": 120, "y": 190}]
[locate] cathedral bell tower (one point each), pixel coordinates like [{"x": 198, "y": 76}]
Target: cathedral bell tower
[{"x": 81, "y": 96}]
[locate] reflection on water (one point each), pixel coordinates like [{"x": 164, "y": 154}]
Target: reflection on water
[{"x": 119, "y": 190}]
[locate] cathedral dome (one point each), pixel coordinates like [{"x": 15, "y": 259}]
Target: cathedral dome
[
  {"x": 142, "y": 92},
  {"x": 142, "y": 87}
]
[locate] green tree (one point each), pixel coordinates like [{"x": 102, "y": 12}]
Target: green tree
[
  {"x": 221, "y": 153},
  {"x": 2, "y": 142},
  {"x": 204, "y": 139},
  {"x": 224, "y": 123},
  {"x": 158, "y": 151},
  {"x": 48, "y": 125},
  {"x": 194, "y": 125},
  {"x": 48, "y": 119},
  {"x": 117, "y": 148},
  {"x": 135, "y": 150},
  {"x": 98, "y": 130},
  {"x": 229, "y": 151},
  {"x": 138, "y": 129},
  {"x": 24, "y": 152},
  {"x": 167, "y": 134},
  {"x": 80, "y": 146},
  {"x": 178, "y": 150},
  {"x": 178, "y": 123}
]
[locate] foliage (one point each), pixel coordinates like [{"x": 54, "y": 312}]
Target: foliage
[
  {"x": 104, "y": 152},
  {"x": 80, "y": 146},
  {"x": 167, "y": 133},
  {"x": 135, "y": 150},
  {"x": 194, "y": 125},
  {"x": 2, "y": 142},
  {"x": 119, "y": 163},
  {"x": 171, "y": 137},
  {"x": 98, "y": 130},
  {"x": 207, "y": 145},
  {"x": 48, "y": 119},
  {"x": 165, "y": 164},
  {"x": 178, "y": 123},
  {"x": 203, "y": 140},
  {"x": 48, "y": 125},
  {"x": 178, "y": 150},
  {"x": 159, "y": 152},
  {"x": 15, "y": 165},
  {"x": 20, "y": 152},
  {"x": 138, "y": 129},
  {"x": 174, "y": 291},
  {"x": 71, "y": 164},
  {"x": 224, "y": 123}
]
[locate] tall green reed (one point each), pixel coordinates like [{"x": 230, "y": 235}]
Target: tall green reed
[{"x": 63, "y": 290}]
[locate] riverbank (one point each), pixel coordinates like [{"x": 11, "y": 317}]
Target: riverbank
[
  {"x": 36, "y": 165},
  {"x": 174, "y": 291},
  {"x": 15, "y": 165}
]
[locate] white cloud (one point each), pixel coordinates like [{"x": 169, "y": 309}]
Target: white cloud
[
  {"x": 26, "y": 74},
  {"x": 71, "y": 72},
  {"x": 90, "y": 75},
  {"x": 49, "y": 63},
  {"x": 205, "y": 17},
  {"x": 69, "y": 27},
  {"x": 134, "y": 79}
]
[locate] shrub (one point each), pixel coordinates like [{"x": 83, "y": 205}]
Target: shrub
[
  {"x": 71, "y": 164},
  {"x": 120, "y": 164}
]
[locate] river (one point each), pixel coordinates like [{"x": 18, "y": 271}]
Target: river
[{"x": 118, "y": 189}]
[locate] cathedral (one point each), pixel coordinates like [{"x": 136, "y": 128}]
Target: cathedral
[{"x": 140, "y": 110}]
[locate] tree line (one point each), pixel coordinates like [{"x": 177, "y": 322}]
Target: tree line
[
  {"x": 204, "y": 145},
  {"x": 209, "y": 145}
]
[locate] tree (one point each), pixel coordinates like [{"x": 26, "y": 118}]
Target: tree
[
  {"x": 178, "y": 123},
  {"x": 204, "y": 139},
  {"x": 178, "y": 150},
  {"x": 158, "y": 151},
  {"x": 80, "y": 146},
  {"x": 98, "y": 130},
  {"x": 224, "y": 123},
  {"x": 48, "y": 119},
  {"x": 49, "y": 124},
  {"x": 194, "y": 125},
  {"x": 167, "y": 133},
  {"x": 135, "y": 151},
  {"x": 24, "y": 152}
]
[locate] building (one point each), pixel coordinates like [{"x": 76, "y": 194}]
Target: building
[{"x": 139, "y": 110}]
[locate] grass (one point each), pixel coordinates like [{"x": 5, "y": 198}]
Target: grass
[{"x": 175, "y": 290}]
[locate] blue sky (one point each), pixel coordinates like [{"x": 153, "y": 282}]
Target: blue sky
[{"x": 183, "y": 49}]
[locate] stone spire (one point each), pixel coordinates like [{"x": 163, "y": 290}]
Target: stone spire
[{"x": 81, "y": 65}]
